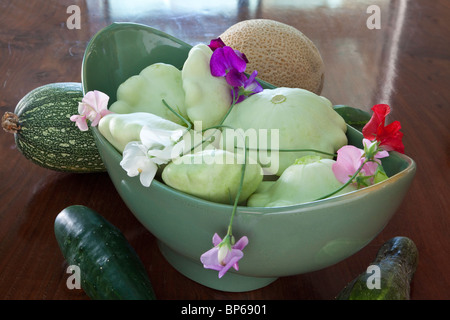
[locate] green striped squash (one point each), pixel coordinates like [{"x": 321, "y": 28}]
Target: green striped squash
[{"x": 45, "y": 134}]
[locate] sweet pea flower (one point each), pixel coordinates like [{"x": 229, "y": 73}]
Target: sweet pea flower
[
  {"x": 136, "y": 162},
  {"x": 389, "y": 137},
  {"x": 216, "y": 43},
  {"x": 92, "y": 107},
  {"x": 224, "y": 254},
  {"x": 225, "y": 59},
  {"x": 350, "y": 159},
  {"x": 243, "y": 86},
  {"x": 371, "y": 148},
  {"x": 231, "y": 64},
  {"x": 156, "y": 147},
  {"x": 379, "y": 139}
]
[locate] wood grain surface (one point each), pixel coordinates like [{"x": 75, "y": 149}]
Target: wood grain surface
[{"x": 405, "y": 63}]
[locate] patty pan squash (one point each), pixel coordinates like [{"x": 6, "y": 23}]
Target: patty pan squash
[
  {"x": 304, "y": 121},
  {"x": 120, "y": 129},
  {"x": 207, "y": 98},
  {"x": 145, "y": 93},
  {"x": 214, "y": 175},
  {"x": 308, "y": 179}
]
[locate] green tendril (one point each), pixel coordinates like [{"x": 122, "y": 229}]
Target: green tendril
[
  {"x": 291, "y": 150},
  {"x": 229, "y": 109},
  {"x": 189, "y": 124},
  {"x": 348, "y": 182}
]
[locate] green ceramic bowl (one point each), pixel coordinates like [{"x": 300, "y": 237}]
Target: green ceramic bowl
[{"x": 282, "y": 241}]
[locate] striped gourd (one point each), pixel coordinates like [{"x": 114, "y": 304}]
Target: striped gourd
[{"x": 45, "y": 134}]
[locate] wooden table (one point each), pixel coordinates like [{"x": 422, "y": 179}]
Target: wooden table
[{"x": 405, "y": 63}]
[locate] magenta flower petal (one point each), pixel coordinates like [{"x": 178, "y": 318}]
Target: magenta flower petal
[
  {"x": 216, "y": 43},
  {"x": 241, "y": 55},
  {"x": 235, "y": 78},
  {"x": 224, "y": 59},
  {"x": 218, "y": 63},
  {"x": 234, "y": 60},
  {"x": 251, "y": 84},
  {"x": 243, "y": 86}
]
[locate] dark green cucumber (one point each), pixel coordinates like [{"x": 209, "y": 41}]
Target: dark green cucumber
[
  {"x": 354, "y": 117},
  {"x": 110, "y": 268},
  {"x": 45, "y": 134},
  {"x": 397, "y": 261}
]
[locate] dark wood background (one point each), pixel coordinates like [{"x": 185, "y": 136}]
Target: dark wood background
[{"x": 406, "y": 64}]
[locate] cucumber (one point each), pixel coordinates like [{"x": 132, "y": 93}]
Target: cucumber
[
  {"x": 354, "y": 117},
  {"x": 397, "y": 261},
  {"x": 109, "y": 266},
  {"x": 45, "y": 134}
]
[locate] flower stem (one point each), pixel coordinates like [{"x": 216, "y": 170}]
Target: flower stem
[
  {"x": 349, "y": 181},
  {"x": 189, "y": 125},
  {"x": 291, "y": 150},
  {"x": 279, "y": 150},
  {"x": 236, "y": 200},
  {"x": 233, "y": 103}
]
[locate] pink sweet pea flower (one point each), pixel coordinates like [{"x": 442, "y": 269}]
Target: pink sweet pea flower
[
  {"x": 80, "y": 121},
  {"x": 224, "y": 255},
  {"x": 93, "y": 107},
  {"x": 350, "y": 159},
  {"x": 371, "y": 151}
]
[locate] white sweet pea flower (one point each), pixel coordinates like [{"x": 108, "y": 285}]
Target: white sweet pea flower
[
  {"x": 157, "y": 147},
  {"x": 135, "y": 161}
]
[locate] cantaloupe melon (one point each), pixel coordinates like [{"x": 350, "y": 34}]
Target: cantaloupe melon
[{"x": 282, "y": 55}]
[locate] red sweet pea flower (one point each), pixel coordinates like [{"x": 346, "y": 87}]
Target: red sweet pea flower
[{"x": 389, "y": 137}]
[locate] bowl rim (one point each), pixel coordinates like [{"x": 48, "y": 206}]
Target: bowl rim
[
  {"x": 409, "y": 169},
  {"x": 120, "y": 25}
]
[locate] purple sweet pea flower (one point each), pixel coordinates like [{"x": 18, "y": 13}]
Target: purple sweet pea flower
[
  {"x": 225, "y": 59},
  {"x": 243, "y": 86},
  {"x": 216, "y": 43},
  {"x": 231, "y": 64},
  {"x": 224, "y": 255}
]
